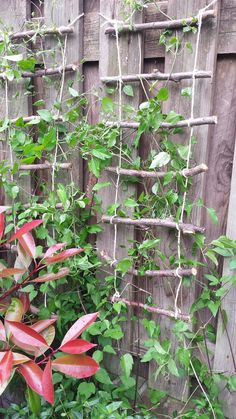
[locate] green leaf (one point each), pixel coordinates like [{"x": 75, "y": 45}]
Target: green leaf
[
  {"x": 186, "y": 92},
  {"x": 34, "y": 401},
  {"x": 161, "y": 159},
  {"x": 213, "y": 215},
  {"x": 126, "y": 364},
  {"x": 107, "y": 105},
  {"x": 39, "y": 102},
  {"x": 103, "y": 377},
  {"x": 115, "y": 333},
  {"x": 173, "y": 117},
  {"x": 232, "y": 383},
  {"x": 101, "y": 185},
  {"x": 130, "y": 203},
  {"x": 86, "y": 389},
  {"x": 163, "y": 94},
  {"x": 94, "y": 166},
  {"x": 173, "y": 368},
  {"x": 108, "y": 349},
  {"x": 124, "y": 265},
  {"x": 128, "y": 90},
  {"x": 232, "y": 264},
  {"x": 73, "y": 92},
  {"x": 45, "y": 114},
  {"x": 211, "y": 255},
  {"x": 27, "y": 65},
  {"x": 183, "y": 151},
  {"x": 214, "y": 307}
]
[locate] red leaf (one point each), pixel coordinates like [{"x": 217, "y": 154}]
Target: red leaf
[
  {"x": 25, "y": 229},
  {"x": 19, "y": 358},
  {"x": 48, "y": 390},
  {"x": 33, "y": 376},
  {"x": 78, "y": 327},
  {"x": 24, "y": 298},
  {"x": 25, "y": 335},
  {"x": 54, "y": 248},
  {"x": 2, "y": 224},
  {"x": 52, "y": 277},
  {"x": 2, "y": 332},
  {"x": 77, "y": 346},
  {"x": 28, "y": 244},
  {"x": 62, "y": 256},
  {"x": 6, "y": 367},
  {"x": 78, "y": 366},
  {"x": 5, "y": 273},
  {"x": 42, "y": 325}
]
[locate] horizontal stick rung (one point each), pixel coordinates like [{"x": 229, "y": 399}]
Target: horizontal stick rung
[
  {"x": 147, "y": 174},
  {"x": 164, "y": 273},
  {"x": 45, "y": 72},
  {"x": 166, "y": 24},
  {"x": 61, "y": 30},
  {"x": 39, "y": 166},
  {"x": 186, "y": 228},
  {"x": 176, "y": 77},
  {"x": 155, "y": 310},
  {"x": 32, "y": 118},
  {"x": 207, "y": 120}
]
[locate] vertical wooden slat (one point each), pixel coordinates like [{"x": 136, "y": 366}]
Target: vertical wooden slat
[
  {"x": 165, "y": 292},
  {"x": 223, "y": 361},
  {"x": 58, "y": 13},
  {"x": 13, "y": 15},
  {"x": 131, "y": 61}
]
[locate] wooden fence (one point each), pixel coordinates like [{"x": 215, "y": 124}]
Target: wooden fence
[{"x": 141, "y": 53}]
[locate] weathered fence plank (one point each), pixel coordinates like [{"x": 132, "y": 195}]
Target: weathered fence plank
[
  {"x": 224, "y": 360},
  {"x": 165, "y": 292},
  {"x": 69, "y": 50},
  {"x": 131, "y": 62}
]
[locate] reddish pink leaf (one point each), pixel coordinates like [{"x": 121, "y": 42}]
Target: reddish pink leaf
[
  {"x": 25, "y": 335},
  {"x": 5, "y": 273},
  {"x": 25, "y": 229},
  {"x": 62, "y": 256},
  {"x": 33, "y": 376},
  {"x": 48, "y": 390},
  {"x": 2, "y": 332},
  {"x": 77, "y": 346},
  {"x": 28, "y": 244},
  {"x": 42, "y": 325},
  {"x": 24, "y": 298},
  {"x": 54, "y": 248},
  {"x": 78, "y": 366},
  {"x": 19, "y": 358},
  {"x": 2, "y": 224},
  {"x": 78, "y": 327},
  {"x": 6, "y": 367},
  {"x": 52, "y": 277}
]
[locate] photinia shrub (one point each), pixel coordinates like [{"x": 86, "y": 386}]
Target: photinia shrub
[{"x": 25, "y": 347}]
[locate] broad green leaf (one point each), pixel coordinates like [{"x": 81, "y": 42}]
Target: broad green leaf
[
  {"x": 186, "y": 92},
  {"x": 86, "y": 389},
  {"x": 173, "y": 368},
  {"x": 124, "y": 265},
  {"x": 34, "y": 401},
  {"x": 73, "y": 92},
  {"x": 128, "y": 90},
  {"x": 45, "y": 114},
  {"x": 103, "y": 377},
  {"x": 161, "y": 159},
  {"x": 107, "y": 105},
  {"x": 101, "y": 185},
  {"x": 126, "y": 364},
  {"x": 163, "y": 94},
  {"x": 213, "y": 215}
]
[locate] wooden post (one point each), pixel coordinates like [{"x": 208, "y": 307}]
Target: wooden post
[
  {"x": 63, "y": 13},
  {"x": 131, "y": 62},
  {"x": 164, "y": 294},
  {"x": 14, "y": 14},
  {"x": 225, "y": 350}
]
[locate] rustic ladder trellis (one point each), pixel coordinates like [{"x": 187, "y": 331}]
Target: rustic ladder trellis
[{"x": 111, "y": 13}]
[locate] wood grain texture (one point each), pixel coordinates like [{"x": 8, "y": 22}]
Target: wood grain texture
[
  {"x": 224, "y": 185},
  {"x": 165, "y": 293},
  {"x": 57, "y": 13},
  {"x": 13, "y": 15},
  {"x": 227, "y": 35},
  {"x": 131, "y": 60}
]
